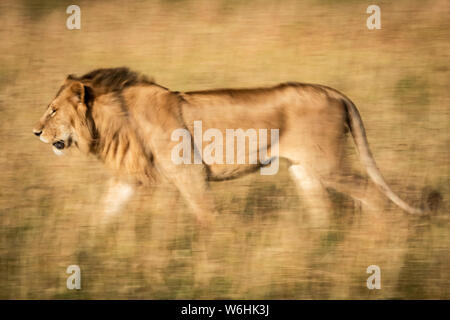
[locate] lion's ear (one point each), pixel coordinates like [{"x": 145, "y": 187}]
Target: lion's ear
[
  {"x": 77, "y": 91},
  {"x": 81, "y": 93}
]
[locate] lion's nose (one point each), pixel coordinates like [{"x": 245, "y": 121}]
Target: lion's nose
[
  {"x": 59, "y": 145},
  {"x": 37, "y": 133}
]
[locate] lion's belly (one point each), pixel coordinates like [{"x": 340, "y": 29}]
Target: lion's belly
[{"x": 217, "y": 172}]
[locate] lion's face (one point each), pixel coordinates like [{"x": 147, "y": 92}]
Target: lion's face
[{"x": 57, "y": 125}]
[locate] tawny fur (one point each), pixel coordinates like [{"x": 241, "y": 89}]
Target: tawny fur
[{"x": 126, "y": 121}]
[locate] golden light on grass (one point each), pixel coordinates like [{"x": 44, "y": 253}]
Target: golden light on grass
[{"x": 264, "y": 247}]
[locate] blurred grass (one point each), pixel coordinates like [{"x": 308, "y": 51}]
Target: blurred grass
[{"x": 265, "y": 248}]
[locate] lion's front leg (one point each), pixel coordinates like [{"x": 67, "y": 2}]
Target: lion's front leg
[
  {"x": 117, "y": 196},
  {"x": 190, "y": 180}
]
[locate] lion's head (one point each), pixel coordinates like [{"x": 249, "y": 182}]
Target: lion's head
[{"x": 65, "y": 122}]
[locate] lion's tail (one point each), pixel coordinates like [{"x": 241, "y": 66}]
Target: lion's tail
[{"x": 359, "y": 135}]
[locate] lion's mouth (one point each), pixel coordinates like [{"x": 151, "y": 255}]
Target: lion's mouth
[{"x": 59, "y": 144}]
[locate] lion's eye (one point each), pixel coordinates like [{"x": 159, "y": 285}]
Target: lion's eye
[{"x": 53, "y": 112}]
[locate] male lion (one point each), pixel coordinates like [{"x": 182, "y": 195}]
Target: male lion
[{"x": 126, "y": 121}]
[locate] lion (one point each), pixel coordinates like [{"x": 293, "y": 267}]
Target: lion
[{"x": 126, "y": 120}]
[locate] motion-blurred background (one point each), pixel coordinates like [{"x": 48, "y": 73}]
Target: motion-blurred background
[{"x": 398, "y": 77}]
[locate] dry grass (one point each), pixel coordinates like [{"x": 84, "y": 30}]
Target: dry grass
[{"x": 398, "y": 77}]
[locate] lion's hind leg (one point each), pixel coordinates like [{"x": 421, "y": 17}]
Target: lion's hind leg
[
  {"x": 356, "y": 187},
  {"x": 313, "y": 193}
]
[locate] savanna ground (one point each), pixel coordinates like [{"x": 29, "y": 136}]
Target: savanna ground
[{"x": 264, "y": 248}]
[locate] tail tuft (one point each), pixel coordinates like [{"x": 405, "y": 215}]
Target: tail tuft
[{"x": 432, "y": 199}]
